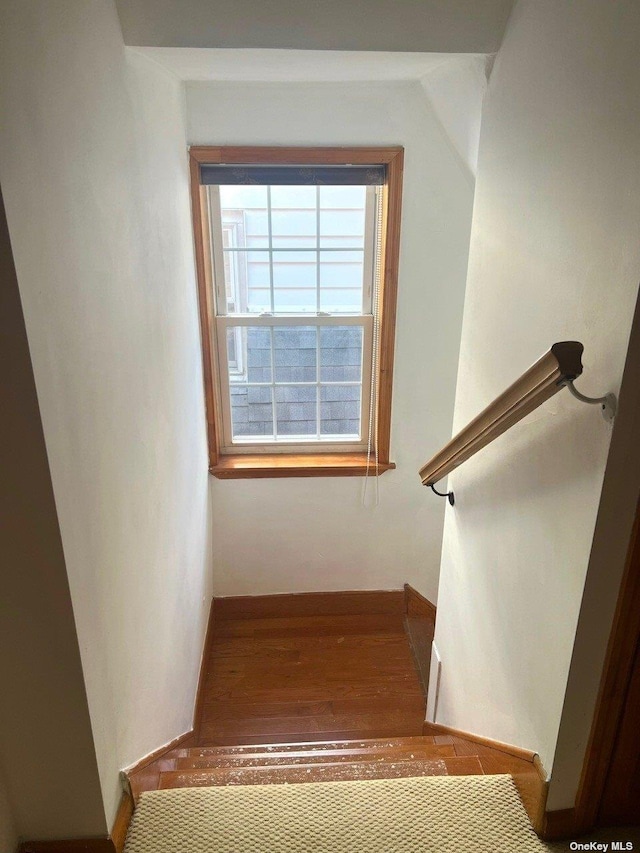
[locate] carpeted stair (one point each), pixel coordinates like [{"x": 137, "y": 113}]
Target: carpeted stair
[{"x": 459, "y": 814}]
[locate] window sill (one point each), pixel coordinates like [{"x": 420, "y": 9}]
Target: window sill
[{"x": 296, "y": 465}]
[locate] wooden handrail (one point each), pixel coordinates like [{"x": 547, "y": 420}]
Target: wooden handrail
[{"x": 544, "y": 379}]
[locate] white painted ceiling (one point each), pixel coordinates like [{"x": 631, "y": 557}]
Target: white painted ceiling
[
  {"x": 292, "y": 66},
  {"x": 414, "y": 26}
]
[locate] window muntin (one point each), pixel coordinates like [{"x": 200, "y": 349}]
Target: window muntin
[
  {"x": 293, "y": 268},
  {"x": 301, "y": 249}
]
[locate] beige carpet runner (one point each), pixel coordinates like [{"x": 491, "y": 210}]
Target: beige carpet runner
[{"x": 455, "y": 814}]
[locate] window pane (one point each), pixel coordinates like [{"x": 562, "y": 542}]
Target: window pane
[
  {"x": 245, "y": 209},
  {"x": 247, "y": 281},
  {"x": 255, "y": 345},
  {"x": 296, "y": 197},
  {"x": 273, "y": 374},
  {"x": 340, "y": 410},
  {"x": 243, "y": 196},
  {"x": 294, "y": 269},
  {"x": 342, "y": 216},
  {"x": 341, "y": 301},
  {"x": 251, "y": 404},
  {"x": 293, "y": 217},
  {"x": 259, "y": 300},
  {"x": 341, "y": 281},
  {"x": 295, "y": 223},
  {"x": 295, "y": 353},
  {"x": 341, "y": 353},
  {"x": 251, "y": 412},
  {"x": 295, "y": 301},
  {"x": 343, "y": 197},
  {"x": 296, "y": 410},
  {"x": 295, "y": 281}
]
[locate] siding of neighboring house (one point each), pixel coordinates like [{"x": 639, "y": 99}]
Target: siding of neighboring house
[{"x": 295, "y": 355}]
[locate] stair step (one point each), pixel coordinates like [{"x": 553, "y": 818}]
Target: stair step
[
  {"x": 317, "y": 756},
  {"x": 303, "y": 746},
  {"x": 303, "y": 729},
  {"x": 328, "y": 772},
  {"x": 211, "y": 739}
]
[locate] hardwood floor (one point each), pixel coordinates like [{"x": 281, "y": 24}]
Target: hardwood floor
[
  {"x": 302, "y": 678},
  {"x": 313, "y": 697}
]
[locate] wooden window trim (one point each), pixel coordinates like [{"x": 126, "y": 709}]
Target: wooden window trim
[{"x": 307, "y": 464}]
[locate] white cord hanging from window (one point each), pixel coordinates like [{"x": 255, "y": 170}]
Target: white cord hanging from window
[{"x": 374, "y": 391}]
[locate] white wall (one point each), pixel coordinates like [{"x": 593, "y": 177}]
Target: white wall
[
  {"x": 45, "y": 729},
  {"x": 455, "y": 89},
  {"x": 607, "y": 561},
  {"x": 291, "y": 535},
  {"x": 554, "y": 255},
  {"x": 93, "y": 167},
  {"x": 456, "y": 26}
]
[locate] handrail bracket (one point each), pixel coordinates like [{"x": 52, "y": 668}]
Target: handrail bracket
[
  {"x": 449, "y": 495},
  {"x": 608, "y": 403}
]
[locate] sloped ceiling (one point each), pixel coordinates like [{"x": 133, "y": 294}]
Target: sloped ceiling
[
  {"x": 257, "y": 65},
  {"x": 437, "y": 26}
]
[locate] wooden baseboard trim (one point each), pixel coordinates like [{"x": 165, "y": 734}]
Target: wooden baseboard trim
[
  {"x": 122, "y": 821},
  {"x": 70, "y": 845},
  {"x": 190, "y": 738},
  {"x": 417, "y": 605},
  {"x": 531, "y": 783},
  {"x": 187, "y": 739},
  {"x": 533, "y": 789},
  {"x": 420, "y": 625},
  {"x": 351, "y": 603},
  {"x": 516, "y": 751},
  {"x": 204, "y": 662},
  {"x": 560, "y": 825}
]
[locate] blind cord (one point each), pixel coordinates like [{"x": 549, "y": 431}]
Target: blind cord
[{"x": 374, "y": 391}]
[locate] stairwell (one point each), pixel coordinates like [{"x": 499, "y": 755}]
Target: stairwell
[{"x": 318, "y": 687}]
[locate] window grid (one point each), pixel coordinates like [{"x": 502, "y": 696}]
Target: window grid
[
  {"x": 309, "y": 442},
  {"x": 318, "y": 271},
  {"x": 273, "y": 384},
  {"x": 272, "y": 297},
  {"x": 338, "y": 442},
  {"x": 318, "y": 250},
  {"x": 319, "y": 383},
  {"x": 318, "y": 426}
]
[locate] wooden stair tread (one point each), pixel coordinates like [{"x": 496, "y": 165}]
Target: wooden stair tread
[
  {"x": 292, "y": 729},
  {"x": 300, "y": 737},
  {"x": 293, "y": 774},
  {"x": 307, "y": 746},
  {"x": 316, "y": 761},
  {"x": 321, "y": 722},
  {"x": 292, "y": 757},
  {"x": 330, "y": 735}
]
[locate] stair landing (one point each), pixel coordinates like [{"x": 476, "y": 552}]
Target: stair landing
[
  {"x": 310, "y": 678},
  {"x": 314, "y": 697}
]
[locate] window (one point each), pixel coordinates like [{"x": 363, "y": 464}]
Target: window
[{"x": 297, "y": 254}]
